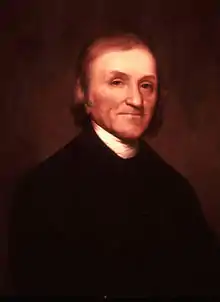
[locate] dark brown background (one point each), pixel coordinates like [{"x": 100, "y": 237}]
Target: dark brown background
[{"x": 39, "y": 41}]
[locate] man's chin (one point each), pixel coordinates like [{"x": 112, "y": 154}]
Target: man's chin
[{"x": 129, "y": 136}]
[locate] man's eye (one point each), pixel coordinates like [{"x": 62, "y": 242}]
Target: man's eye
[
  {"x": 116, "y": 82},
  {"x": 147, "y": 86}
]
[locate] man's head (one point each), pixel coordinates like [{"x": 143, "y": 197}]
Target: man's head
[{"x": 118, "y": 76}]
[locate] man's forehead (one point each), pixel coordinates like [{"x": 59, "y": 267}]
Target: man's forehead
[{"x": 137, "y": 59}]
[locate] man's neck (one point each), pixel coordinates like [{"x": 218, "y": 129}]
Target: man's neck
[{"x": 121, "y": 148}]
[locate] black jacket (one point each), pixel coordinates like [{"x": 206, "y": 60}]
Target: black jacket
[{"x": 87, "y": 222}]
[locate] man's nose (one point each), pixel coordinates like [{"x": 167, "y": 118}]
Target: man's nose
[{"x": 134, "y": 97}]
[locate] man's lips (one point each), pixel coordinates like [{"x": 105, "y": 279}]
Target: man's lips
[
  {"x": 130, "y": 113},
  {"x": 133, "y": 114}
]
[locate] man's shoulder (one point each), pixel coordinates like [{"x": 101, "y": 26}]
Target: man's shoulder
[
  {"x": 165, "y": 173},
  {"x": 159, "y": 164},
  {"x": 65, "y": 156},
  {"x": 175, "y": 188},
  {"x": 56, "y": 168}
]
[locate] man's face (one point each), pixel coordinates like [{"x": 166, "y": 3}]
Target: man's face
[{"x": 123, "y": 90}]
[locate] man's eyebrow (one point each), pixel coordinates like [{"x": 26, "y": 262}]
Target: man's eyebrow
[
  {"x": 149, "y": 77},
  {"x": 118, "y": 73}
]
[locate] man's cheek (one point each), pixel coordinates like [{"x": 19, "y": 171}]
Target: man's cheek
[{"x": 150, "y": 105}]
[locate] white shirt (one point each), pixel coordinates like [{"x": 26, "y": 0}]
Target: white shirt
[{"x": 115, "y": 144}]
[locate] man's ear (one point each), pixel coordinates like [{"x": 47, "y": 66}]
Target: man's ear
[
  {"x": 80, "y": 97},
  {"x": 79, "y": 93}
]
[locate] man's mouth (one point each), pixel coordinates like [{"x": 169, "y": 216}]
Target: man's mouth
[{"x": 133, "y": 114}]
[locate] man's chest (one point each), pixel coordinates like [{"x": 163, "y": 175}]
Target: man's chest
[
  {"x": 112, "y": 225},
  {"x": 114, "y": 211}
]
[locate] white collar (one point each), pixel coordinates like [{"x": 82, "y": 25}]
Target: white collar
[{"x": 122, "y": 149}]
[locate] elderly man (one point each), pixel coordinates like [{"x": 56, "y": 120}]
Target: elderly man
[{"x": 106, "y": 216}]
